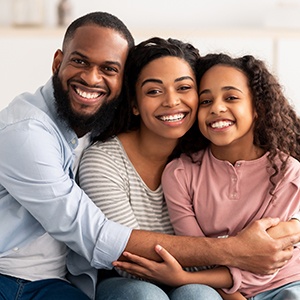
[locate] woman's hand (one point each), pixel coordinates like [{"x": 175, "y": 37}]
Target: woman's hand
[{"x": 168, "y": 272}]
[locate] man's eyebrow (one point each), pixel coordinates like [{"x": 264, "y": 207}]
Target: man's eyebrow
[
  {"x": 79, "y": 54},
  {"x": 160, "y": 81},
  {"x": 110, "y": 62}
]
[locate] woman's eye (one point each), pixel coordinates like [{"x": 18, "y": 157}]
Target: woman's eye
[
  {"x": 153, "y": 92},
  {"x": 185, "y": 87}
]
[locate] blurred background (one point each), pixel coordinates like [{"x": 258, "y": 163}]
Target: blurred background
[{"x": 32, "y": 30}]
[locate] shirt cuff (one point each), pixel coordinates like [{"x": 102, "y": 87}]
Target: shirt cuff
[
  {"x": 296, "y": 216},
  {"x": 110, "y": 245}
]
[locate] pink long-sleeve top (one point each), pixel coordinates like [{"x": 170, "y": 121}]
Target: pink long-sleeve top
[{"x": 216, "y": 198}]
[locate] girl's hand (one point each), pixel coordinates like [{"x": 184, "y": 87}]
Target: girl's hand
[
  {"x": 168, "y": 272},
  {"x": 284, "y": 228},
  {"x": 234, "y": 296}
]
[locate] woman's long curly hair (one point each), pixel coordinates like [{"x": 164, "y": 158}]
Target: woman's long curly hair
[{"x": 277, "y": 127}]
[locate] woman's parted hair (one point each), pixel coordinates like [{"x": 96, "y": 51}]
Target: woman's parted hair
[{"x": 138, "y": 57}]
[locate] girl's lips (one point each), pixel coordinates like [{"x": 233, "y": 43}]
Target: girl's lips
[{"x": 221, "y": 124}]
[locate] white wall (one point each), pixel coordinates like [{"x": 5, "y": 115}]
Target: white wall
[{"x": 235, "y": 26}]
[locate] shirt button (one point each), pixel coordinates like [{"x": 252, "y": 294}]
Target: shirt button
[
  {"x": 73, "y": 142},
  {"x": 15, "y": 249},
  {"x": 238, "y": 164}
]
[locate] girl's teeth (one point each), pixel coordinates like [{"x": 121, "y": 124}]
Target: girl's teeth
[{"x": 221, "y": 124}]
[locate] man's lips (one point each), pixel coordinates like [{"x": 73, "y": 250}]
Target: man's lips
[{"x": 87, "y": 93}]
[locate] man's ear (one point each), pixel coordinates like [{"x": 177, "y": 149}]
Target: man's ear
[{"x": 58, "y": 57}]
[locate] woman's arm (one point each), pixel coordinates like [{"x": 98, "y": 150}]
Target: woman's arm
[{"x": 170, "y": 272}]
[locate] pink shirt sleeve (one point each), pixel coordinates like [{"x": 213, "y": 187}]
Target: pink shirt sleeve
[
  {"x": 176, "y": 187},
  {"x": 288, "y": 192}
]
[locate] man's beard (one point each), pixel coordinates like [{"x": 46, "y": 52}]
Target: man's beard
[{"x": 98, "y": 122}]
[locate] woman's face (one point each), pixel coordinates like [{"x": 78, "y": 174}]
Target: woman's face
[{"x": 167, "y": 99}]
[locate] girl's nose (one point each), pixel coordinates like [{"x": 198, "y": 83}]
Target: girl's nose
[{"x": 218, "y": 107}]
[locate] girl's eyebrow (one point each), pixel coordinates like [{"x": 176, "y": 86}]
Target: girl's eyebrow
[
  {"x": 229, "y": 87},
  {"x": 226, "y": 88},
  {"x": 160, "y": 81}
]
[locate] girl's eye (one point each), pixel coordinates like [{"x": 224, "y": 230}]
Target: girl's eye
[
  {"x": 204, "y": 102},
  {"x": 230, "y": 98}
]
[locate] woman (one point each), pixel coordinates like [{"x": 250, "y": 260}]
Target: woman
[{"x": 122, "y": 174}]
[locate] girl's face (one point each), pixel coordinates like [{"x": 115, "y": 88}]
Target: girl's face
[
  {"x": 226, "y": 112},
  {"x": 167, "y": 99}
]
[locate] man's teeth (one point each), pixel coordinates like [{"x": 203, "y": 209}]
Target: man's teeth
[
  {"x": 172, "y": 118},
  {"x": 221, "y": 124},
  {"x": 87, "y": 95}
]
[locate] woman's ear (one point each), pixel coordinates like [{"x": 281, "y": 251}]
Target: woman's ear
[
  {"x": 58, "y": 57},
  {"x": 135, "y": 110}
]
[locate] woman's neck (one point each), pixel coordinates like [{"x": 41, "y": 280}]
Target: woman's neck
[{"x": 148, "y": 154}]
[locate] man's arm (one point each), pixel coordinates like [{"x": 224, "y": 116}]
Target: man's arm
[{"x": 252, "y": 249}]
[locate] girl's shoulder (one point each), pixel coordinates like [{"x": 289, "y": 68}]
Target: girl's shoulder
[{"x": 187, "y": 160}]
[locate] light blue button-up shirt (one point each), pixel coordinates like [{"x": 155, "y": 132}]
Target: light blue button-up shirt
[{"x": 38, "y": 192}]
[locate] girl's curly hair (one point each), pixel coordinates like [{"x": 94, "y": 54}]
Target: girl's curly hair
[{"x": 277, "y": 127}]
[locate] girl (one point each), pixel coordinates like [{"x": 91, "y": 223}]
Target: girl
[
  {"x": 123, "y": 174},
  {"x": 242, "y": 166}
]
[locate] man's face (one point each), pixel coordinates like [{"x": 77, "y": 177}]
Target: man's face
[{"x": 90, "y": 71}]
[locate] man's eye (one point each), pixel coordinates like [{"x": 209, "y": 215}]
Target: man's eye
[
  {"x": 79, "y": 61},
  {"x": 111, "y": 69}
]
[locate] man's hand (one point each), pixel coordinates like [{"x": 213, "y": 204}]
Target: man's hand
[{"x": 255, "y": 251}]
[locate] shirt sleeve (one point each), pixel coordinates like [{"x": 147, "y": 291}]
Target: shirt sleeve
[
  {"x": 35, "y": 172},
  {"x": 176, "y": 187},
  {"x": 284, "y": 204},
  {"x": 101, "y": 179}
]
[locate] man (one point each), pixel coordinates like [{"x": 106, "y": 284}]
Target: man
[{"x": 47, "y": 223}]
